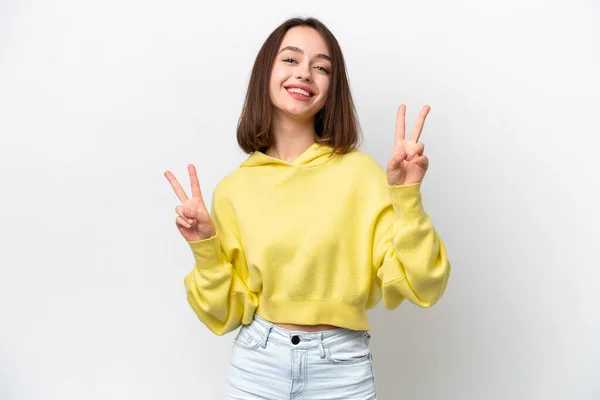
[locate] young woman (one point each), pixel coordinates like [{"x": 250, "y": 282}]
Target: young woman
[{"x": 308, "y": 233}]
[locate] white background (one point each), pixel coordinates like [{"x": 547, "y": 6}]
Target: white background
[{"x": 98, "y": 99}]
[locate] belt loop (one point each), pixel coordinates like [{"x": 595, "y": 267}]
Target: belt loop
[
  {"x": 266, "y": 339},
  {"x": 321, "y": 347}
]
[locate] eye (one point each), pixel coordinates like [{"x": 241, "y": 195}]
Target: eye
[
  {"x": 322, "y": 69},
  {"x": 289, "y": 60}
]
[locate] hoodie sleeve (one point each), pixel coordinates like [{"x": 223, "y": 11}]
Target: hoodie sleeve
[
  {"x": 217, "y": 286},
  {"x": 409, "y": 257}
]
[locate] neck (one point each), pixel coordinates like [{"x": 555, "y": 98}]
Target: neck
[{"x": 291, "y": 137}]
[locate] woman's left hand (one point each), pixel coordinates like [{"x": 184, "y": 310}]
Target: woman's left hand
[{"x": 408, "y": 165}]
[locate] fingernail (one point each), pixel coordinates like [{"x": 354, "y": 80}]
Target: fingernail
[
  {"x": 190, "y": 221},
  {"x": 409, "y": 157}
]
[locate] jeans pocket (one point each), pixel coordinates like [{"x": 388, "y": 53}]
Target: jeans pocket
[
  {"x": 247, "y": 339},
  {"x": 350, "y": 351}
]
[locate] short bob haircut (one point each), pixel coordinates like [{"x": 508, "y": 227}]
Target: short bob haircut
[{"x": 336, "y": 124}]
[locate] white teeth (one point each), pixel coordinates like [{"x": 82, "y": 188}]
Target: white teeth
[{"x": 299, "y": 91}]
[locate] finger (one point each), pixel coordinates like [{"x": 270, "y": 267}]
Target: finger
[
  {"x": 400, "y": 122},
  {"x": 422, "y": 161},
  {"x": 181, "y": 222},
  {"x": 196, "y": 193},
  {"x": 416, "y": 150},
  {"x": 418, "y": 128},
  {"x": 176, "y": 186},
  {"x": 398, "y": 157},
  {"x": 179, "y": 211}
]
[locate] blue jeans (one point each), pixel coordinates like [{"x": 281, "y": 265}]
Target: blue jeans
[{"x": 269, "y": 362}]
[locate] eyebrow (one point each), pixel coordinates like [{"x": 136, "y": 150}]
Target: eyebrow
[{"x": 299, "y": 50}]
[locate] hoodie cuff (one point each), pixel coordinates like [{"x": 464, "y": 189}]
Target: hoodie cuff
[
  {"x": 407, "y": 200},
  {"x": 207, "y": 252}
]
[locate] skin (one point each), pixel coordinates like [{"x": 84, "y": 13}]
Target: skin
[{"x": 302, "y": 60}]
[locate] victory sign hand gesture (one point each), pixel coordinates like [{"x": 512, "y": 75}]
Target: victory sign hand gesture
[
  {"x": 408, "y": 165},
  {"x": 193, "y": 221}
]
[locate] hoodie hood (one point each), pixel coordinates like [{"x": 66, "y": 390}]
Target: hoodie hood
[{"x": 316, "y": 154}]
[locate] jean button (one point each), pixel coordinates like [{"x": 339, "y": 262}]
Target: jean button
[{"x": 295, "y": 339}]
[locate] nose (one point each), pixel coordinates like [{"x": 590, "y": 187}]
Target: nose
[{"x": 303, "y": 73}]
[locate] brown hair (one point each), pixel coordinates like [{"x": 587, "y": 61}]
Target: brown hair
[{"x": 336, "y": 124}]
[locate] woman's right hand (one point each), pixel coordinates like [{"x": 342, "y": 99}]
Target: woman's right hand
[{"x": 193, "y": 220}]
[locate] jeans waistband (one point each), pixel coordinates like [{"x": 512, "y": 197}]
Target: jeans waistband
[{"x": 270, "y": 332}]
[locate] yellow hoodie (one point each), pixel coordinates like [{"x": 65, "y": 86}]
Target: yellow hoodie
[{"x": 317, "y": 241}]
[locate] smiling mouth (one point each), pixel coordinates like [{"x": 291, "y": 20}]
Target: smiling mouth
[{"x": 299, "y": 91}]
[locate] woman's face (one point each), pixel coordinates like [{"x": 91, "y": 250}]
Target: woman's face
[{"x": 300, "y": 76}]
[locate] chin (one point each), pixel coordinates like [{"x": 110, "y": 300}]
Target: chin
[
  {"x": 299, "y": 114},
  {"x": 294, "y": 108},
  {"x": 296, "y": 112}
]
